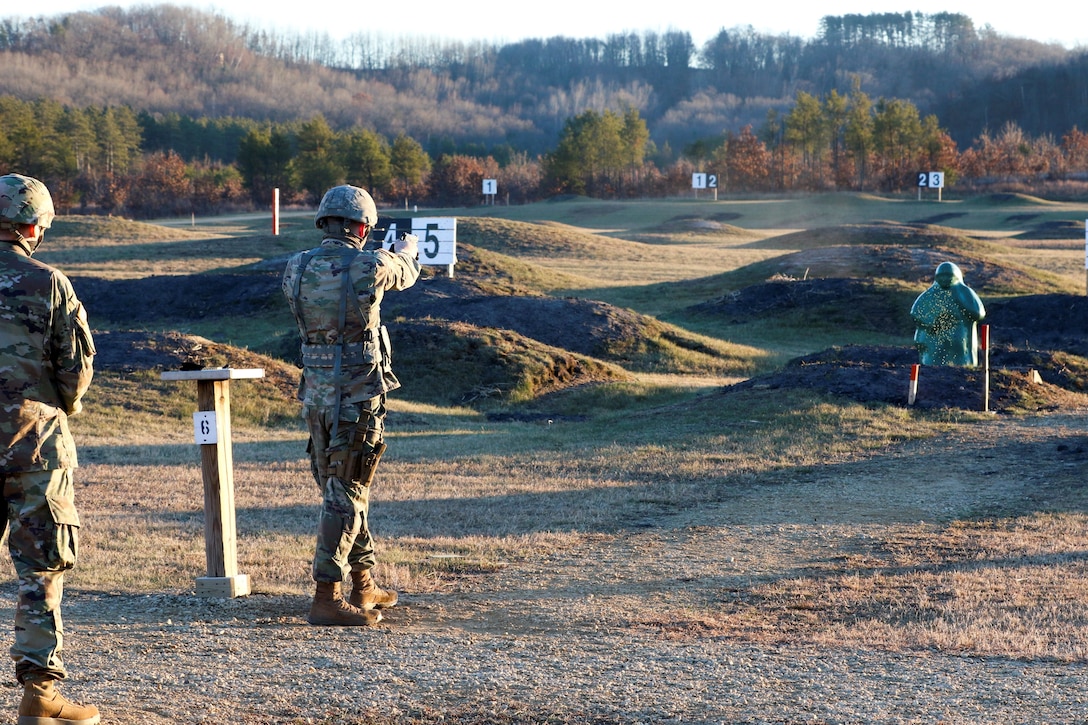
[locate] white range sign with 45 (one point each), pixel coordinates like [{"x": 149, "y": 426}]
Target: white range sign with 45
[{"x": 437, "y": 236}]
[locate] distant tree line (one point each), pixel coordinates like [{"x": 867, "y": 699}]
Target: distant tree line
[
  {"x": 479, "y": 98},
  {"x": 114, "y": 160}
]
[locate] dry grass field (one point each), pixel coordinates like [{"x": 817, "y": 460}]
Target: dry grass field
[{"x": 652, "y": 463}]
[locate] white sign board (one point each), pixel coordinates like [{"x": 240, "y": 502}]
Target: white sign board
[
  {"x": 698, "y": 181},
  {"x": 931, "y": 179},
  {"x": 490, "y": 186},
  {"x": 204, "y": 430},
  {"x": 437, "y": 236}
]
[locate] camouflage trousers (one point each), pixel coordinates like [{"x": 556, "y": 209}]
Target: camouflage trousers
[
  {"x": 43, "y": 533},
  {"x": 343, "y": 533}
]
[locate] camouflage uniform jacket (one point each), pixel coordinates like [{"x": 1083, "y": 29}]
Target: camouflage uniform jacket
[
  {"x": 46, "y": 363},
  {"x": 320, "y": 298}
]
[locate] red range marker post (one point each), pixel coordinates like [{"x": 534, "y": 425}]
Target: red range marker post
[{"x": 912, "y": 393}]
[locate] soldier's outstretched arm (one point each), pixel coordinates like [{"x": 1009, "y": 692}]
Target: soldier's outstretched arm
[{"x": 399, "y": 269}]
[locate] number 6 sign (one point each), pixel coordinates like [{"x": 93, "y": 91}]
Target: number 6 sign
[{"x": 204, "y": 429}]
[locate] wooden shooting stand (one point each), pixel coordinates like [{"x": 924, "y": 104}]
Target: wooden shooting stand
[{"x": 211, "y": 424}]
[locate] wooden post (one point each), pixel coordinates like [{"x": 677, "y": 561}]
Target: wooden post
[
  {"x": 276, "y": 212},
  {"x": 985, "y": 340},
  {"x": 211, "y": 430}
]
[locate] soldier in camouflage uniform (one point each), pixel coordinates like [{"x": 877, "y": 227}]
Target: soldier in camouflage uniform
[
  {"x": 335, "y": 292},
  {"x": 46, "y": 355}
]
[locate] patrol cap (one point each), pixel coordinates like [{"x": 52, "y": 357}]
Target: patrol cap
[
  {"x": 347, "y": 202},
  {"x": 24, "y": 200}
]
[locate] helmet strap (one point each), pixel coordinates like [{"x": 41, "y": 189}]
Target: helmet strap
[
  {"x": 28, "y": 244},
  {"x": 339, "y": 228}
]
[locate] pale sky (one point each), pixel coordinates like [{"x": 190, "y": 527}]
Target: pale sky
[{"x": 513, "y": 20}]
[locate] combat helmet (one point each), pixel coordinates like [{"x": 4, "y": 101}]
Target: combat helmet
[
  {"x": 24, "y": 200},
  {"x": 346, "y": 202}
]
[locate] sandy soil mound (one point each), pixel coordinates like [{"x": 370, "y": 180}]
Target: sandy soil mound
[
  {"x": 1019, "y": 380},
  {"x": 913, "y": 265},
  {"x": 139, "y": 350},
  {"x": 136, "y": 302},
  {"x": 1046, "y": 333}
]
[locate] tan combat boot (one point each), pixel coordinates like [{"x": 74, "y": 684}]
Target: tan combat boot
[
  {"x": 330, "y": 610},
  {"x": 43, "y": 705},
  {"x": 365, "y": 594}
]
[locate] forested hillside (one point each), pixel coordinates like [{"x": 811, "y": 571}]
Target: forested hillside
[
  {"x": 166, "y": 110},
  {"x": 457, "y": 94}
]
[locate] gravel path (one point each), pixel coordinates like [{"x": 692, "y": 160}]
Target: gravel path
[
  {"x": 182, "y": 659},
  {"x": 613, "y": 632}
]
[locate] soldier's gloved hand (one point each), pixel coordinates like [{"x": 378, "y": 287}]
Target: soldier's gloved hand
[{"x": 408, "y": 243}]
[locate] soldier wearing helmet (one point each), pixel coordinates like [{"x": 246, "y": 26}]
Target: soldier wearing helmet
[
  {"x": 46, "y": 357},
  {"x": 946, "y": 317},
  {"x": 335, "y": 292}
]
